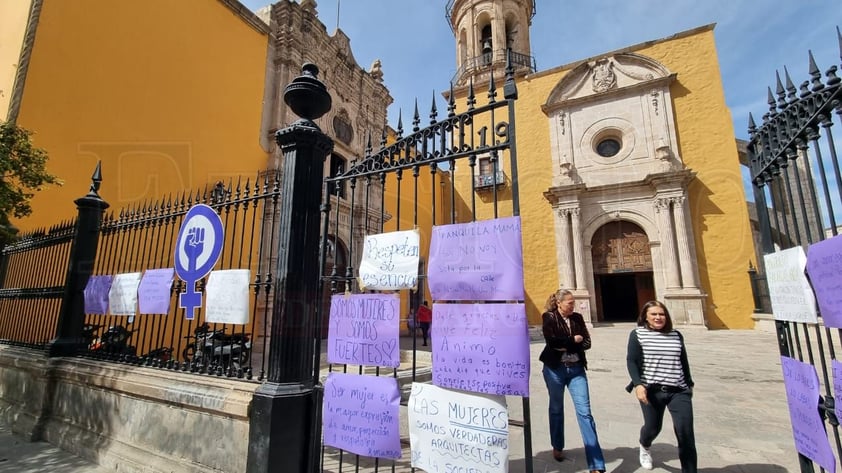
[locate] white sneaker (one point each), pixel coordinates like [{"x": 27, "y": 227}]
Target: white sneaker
[{"x": 645, "y": 458}]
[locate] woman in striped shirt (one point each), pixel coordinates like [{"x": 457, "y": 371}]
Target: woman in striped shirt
[{"x": 660, "y": 378}]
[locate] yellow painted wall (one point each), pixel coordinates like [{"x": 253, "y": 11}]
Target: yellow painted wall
[
  {"x": 706, "y": 145},
  {"x": 167, "y": 94},
  {"x": 13, "y": 16}
]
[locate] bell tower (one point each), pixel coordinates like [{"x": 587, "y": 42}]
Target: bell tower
[{"x": 485, "y": 31}]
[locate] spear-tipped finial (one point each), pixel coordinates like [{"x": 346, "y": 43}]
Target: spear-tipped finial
[
  {"x": 770, "y": 99},
  {"x": 815, "y": 74},
  {"x": 492, "y": 88},
  {"x": 96, "y": 180},
  {"x": 451, "y": 102},
  {"x": 752, "y": 128},
  {"x": 509, "y": 87},
  {"x": 400, "y": 123},
  {"x": 416, "y": 118},
  {"x": 790, "y": 87},
  {"x": 472, "y": 98},
  {"x": 434, "y": 113}
]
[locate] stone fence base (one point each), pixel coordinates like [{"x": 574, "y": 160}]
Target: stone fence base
[{"x": 126, "y": 418}]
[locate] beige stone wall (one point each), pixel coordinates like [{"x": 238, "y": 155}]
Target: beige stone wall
[{"x": 127, "y": 418}]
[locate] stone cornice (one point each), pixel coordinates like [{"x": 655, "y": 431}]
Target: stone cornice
[{"x": 246, "y": 15}]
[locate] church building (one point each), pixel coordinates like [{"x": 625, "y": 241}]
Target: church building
[{"x": 630, "y": 176}]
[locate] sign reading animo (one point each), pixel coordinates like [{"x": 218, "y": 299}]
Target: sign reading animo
[
  {"x": 481, "y": 348},
  {"x": 364, "y": 330},
  {"x": 390, "y": 261},
  {"x": 477, "y": 261},
  {"x": 790, "y": 292},
  {"x": 451, "y": 432},
  {"x": 360, "y": 414}
]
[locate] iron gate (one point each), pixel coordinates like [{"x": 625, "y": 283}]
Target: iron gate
[
  {"x": 798, "y": 193},
  {"x": 430, "y": 162}
]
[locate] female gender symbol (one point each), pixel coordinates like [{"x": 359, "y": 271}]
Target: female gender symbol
[{"x": 197, "y": 249}]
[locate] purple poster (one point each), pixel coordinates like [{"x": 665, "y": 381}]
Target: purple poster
[
  {"x": 478, "y": 261},
  {"x": 802, "y": 396},
  {"x": 364, "y": 330},
  {"x": 96, "y": 294},
  {"x": 482, "y": 348},
  {"x": 360, "y": 414},
  {"x": 153, "y": 293},
  {"x": 824, "y": 265}
]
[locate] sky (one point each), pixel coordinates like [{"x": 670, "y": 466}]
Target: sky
[{"x": 754, "y": 38}]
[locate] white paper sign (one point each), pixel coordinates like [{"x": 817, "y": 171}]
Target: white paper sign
[
  {"x": 390, "y": 261},
  {"x": 790, "y": 292},
  {"x": 122, "y": 298},
  {"x": 453, "y": 431},
  {"x": 227, "y": 295}
]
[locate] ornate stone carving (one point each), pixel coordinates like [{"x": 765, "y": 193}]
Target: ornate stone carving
[
  {"x": 376, "y": 71},
  {"x": 561, "y": 119},
  {"x": 567, "y": 173},
  {"x": 603, "y": 75},
  {"x": 662, "y": 204},
  {"x": 654, "y": 94}
]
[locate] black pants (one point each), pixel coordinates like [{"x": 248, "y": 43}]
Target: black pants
[
  {"x": 425, "y": 330},
  {"x": 680, "y": 405}
]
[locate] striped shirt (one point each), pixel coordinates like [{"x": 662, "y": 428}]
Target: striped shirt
[{"x": 661, "y": 357}]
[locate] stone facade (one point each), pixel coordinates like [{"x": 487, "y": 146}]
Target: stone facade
[{"x": 614, "y": 159}]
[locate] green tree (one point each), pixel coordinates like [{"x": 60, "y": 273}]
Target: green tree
[{"x": 22, "y": 173}]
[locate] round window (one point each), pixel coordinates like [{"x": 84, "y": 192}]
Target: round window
[{"x": 608, "y": 147}]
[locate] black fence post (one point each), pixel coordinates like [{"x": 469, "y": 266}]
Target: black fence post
[
  {"x": 282, "y": 411},
  {"x": 755, "y": 291},
  {"x": 80, "y": 265}
]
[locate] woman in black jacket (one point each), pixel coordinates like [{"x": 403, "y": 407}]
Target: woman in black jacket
[{"x": 564, "y": 367}]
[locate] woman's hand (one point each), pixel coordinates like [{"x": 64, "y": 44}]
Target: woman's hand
[
  {"x": 640, "y": 392},
  {"x": 578, "y": 338}
]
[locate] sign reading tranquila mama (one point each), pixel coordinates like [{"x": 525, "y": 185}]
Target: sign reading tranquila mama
[
  {"x": 477, "y": 261},
  {"x": 364, "y": 330},
  {"x": 390, "y": 261},
  {"x": 824, "y": 265}
]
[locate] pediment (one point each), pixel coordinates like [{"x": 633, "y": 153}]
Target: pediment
[{"x": 606, "y": 75}]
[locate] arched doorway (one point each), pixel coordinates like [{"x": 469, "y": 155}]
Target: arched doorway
[
  {"x": 336, "y": 260},
  {"x": 622, "y": 268}
]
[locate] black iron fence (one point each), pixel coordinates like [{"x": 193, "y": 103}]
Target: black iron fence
[
  {"x": 798, "y": 191},
  {"x": 432, "y": 176},
  {"x": 136, "y": 239},
  {"x": 32, "y": 272}
]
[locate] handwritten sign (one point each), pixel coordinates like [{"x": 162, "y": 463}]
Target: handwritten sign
[
  {"x": 481, "y": 347},
  {"x": 153, "y": 294},
  {"x": 364, "y": 330},
  {"x": 228, "y": 296},
  {"x": 96, "y": 294},
  {"x": 837, "y": 387},
  {"x": 477, "y": 261},
  {"x": 824, "y": 265},
  {"x": 122, "y": 298},
  {"x": 450, "y": 431},
  {"x": 802, "y": 396},
  {"x": 360, "y": 414},
  {"x": 390, "y": 261},
  {"x": 790, "y": 292}
]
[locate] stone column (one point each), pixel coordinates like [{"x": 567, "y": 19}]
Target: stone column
[
  {"x": 565, "y": 261},
  {"x": 578, "y": 254},
  {"x": 685, "y": 257},
  {"x": 662, "y": 208}
]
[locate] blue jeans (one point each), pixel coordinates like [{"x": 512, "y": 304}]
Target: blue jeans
[{"x": 574, "y": 379}]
